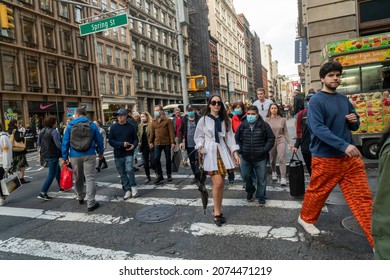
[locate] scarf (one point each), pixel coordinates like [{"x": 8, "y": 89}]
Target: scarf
[{"x": 217, "y": 126}]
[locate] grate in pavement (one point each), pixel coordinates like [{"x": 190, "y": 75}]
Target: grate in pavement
[
  {"x": 351, "y": 224},
  {"x": 156, "y": 213}
]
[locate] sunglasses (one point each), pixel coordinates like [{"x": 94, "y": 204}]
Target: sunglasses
[
  {"x": 214, "y": 103},
  {"x": 262, "y": 107}
]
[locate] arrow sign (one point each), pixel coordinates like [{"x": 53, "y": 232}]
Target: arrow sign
[{"x": 104, "y": 24}]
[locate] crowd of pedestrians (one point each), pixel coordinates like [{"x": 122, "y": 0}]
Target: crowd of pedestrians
[{"x": 222, "y": 139}]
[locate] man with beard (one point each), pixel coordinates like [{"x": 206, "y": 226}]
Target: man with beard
[{"x": 335, "y": 159}]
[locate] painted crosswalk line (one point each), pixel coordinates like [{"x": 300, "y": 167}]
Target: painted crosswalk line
[
  {"x": 263, "y": 232},
  {"x": 281, "y": 204},
  {"x": 62, "y": 216},
  {"x": 68, "y": 251}
]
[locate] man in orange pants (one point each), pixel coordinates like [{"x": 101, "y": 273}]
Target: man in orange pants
[{"x": 331, "y": 118}]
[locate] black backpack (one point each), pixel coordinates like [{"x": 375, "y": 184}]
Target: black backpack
[{"x": 81, "y": 136}]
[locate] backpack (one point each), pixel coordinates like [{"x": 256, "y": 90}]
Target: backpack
[{"x": 81, "y": 136}]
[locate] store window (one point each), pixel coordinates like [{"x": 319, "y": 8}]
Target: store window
[
  {"x": 33, "y": 82},
  {"x": 12, "y": 110},
  {"x": 52, "y": 77},
  {"x": 84, "y": 81},
  {"x": 9, "y": 77},
  {"x": 29, "y": 33},
  {"x": 49, "y": 38}
]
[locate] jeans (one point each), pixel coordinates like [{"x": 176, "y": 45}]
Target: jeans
[
  {"x": 124, "y": 165},
  {"x": 54, "y": 172},
  {"x": 84, "y": 170},
  {"x": 157, "y": 158},
  {"x": 260, "y": 167}
]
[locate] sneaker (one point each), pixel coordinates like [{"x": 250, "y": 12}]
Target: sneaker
[
  {"x": 105, "y": 166},
  {"x": 44, "y": 196},
  {"x": 3, "y": 201},
  {"x": 261, "y": 202},
  {"x": 134, "y": 192},
  {"x": 309, "y": 228},
  {"x": 127, "y": 195},
  {"x": 274, "y": 176},
  {"x": 249, "y": 197},
  {"x": 81, "y": 201},
  {"x": 283, "y": 182},
  {"x": 169, "y": 178},
  {"x": 147, "y": 180},
  {"x": 95, "y": 206},
  {"x": 98, "y": 169},
  {"x": 159, "y": 180}
]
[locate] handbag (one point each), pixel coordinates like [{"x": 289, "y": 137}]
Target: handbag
[
  {"x": 176, "y": 161},
  {"x": 17, "y": 146},
  {"x": 10, "y": 184},
  {"x": 296, "y": 176},
  {"x": 66, "y": 178}
]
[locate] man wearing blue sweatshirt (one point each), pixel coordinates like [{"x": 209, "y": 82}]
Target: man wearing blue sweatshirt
[
  {"x": 123, "y": 138},
  {"x": 335, "y": 159},
  {"x": 83, "y": 159}
]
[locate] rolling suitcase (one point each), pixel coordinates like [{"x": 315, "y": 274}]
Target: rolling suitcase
[{"x": 296, "y": 176}]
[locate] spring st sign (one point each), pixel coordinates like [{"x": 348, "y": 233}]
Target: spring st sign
[{"x": 104, "y": 24}]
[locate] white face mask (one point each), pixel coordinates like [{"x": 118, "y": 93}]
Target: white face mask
[{"x": 144, "y": 119}]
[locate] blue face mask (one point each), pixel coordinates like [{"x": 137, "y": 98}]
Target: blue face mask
[
  {"x": 156, "y": 114},
  {"x": 251, "y": 118},
  {"x": 191, "y": 114},
  {"x": 237, "y": 112}
]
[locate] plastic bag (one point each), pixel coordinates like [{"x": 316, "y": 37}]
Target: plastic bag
[{"x": 66, "y": 178}]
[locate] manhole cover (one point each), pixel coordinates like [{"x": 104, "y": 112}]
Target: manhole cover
[
  {"x": 336, "y": 198},
  {"x": 156, "y": 213},
  {"x": 351, "y": 224}
]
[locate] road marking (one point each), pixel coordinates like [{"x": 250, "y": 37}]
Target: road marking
[
  {"x": 68, "y": 251},
  {"x": 62, "y": 216},
  {"x": 281, "y": 204},
  {"x": 263, "y": 232}
]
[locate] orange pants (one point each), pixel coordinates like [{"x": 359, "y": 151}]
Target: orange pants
[{"x": 350, "y": 174}]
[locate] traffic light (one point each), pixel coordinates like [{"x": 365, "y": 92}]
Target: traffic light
[
  {"x": 196, "y": 83},
  {"x": 6, "y": 18}
]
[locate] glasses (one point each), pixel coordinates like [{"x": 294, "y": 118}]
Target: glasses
[
  {"x": 262, "y": 107},
  {"x": 216, "y": 103}
]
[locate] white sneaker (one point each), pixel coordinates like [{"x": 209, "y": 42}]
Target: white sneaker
[
  {"x": 134, "y": 192},
  {"x": 283, "y": 182},
  {"x": 127, "y": 195},
  {"x": 309, "y": 228},
  {"x": 274, "y": 176},
  {"x": 3, "y": 202}
]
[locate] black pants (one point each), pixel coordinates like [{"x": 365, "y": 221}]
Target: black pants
[
  {"x": 2, "y": 172},
  {"x": 146, "y": 156},
  {"x": 102, "y": 161},
  {"x": 307, "y": 159}
]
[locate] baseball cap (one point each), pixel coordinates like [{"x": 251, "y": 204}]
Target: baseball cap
[
  {"x": 190, "y": 107},
  {"x": 121, "y": 112}
]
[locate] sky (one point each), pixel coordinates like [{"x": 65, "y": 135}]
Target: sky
[{"x": 275, "y": 23}]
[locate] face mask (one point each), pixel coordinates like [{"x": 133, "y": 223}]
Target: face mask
[
  {"x": 251, "y": 118},
  {"x": 156, "y": 114},
  {"x": 237, "y": 111},
  {"x": 190, "y": 114},
  {"x": 144, "y": 119}
]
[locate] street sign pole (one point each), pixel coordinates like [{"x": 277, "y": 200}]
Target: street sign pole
[{"x": 103, "y": 24}]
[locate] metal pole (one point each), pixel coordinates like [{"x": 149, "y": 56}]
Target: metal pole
[
  {"x": 181, "y": 57},
  {"x": 228, "y": 90}
]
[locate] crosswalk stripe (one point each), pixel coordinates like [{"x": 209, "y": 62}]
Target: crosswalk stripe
[
  {"x": 281, "y": 204},
  {"x": 264, "y": 232},
  {"x": 62, "y": 216},
  {"x": 69, "y": 251}
]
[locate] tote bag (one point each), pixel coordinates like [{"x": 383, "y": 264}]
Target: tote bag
[{"x": 296, "y": 176}]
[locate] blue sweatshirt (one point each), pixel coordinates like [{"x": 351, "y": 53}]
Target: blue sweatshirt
[
  {"x": 97, "y": 140},
  {"x": 120, "y": 133},
  {"x": 330, "y": 130}
]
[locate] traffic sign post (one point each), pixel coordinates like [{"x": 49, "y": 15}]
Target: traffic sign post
[{"x": 104, "y": 24}]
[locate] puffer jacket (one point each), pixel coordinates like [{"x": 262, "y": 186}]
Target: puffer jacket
[{"x": 256, "y": 142}]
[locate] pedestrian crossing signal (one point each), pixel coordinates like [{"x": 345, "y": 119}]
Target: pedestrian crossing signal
[
  {"x": 6, "y": 18},
  {"x": 196, "y": 83}
]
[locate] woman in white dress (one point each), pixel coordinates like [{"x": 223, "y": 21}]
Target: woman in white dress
[{"x": 214, "y": 139}]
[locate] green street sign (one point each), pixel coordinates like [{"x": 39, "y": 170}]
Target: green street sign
[{"x": 104, "y": 24}]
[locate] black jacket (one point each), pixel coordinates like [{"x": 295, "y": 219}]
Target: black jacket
[
  {"x": 183, "y": 128},
  {"x": 255, "y": 143}
]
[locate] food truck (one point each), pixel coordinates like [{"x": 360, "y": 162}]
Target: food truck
[{"x": 365, "y": 79}]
